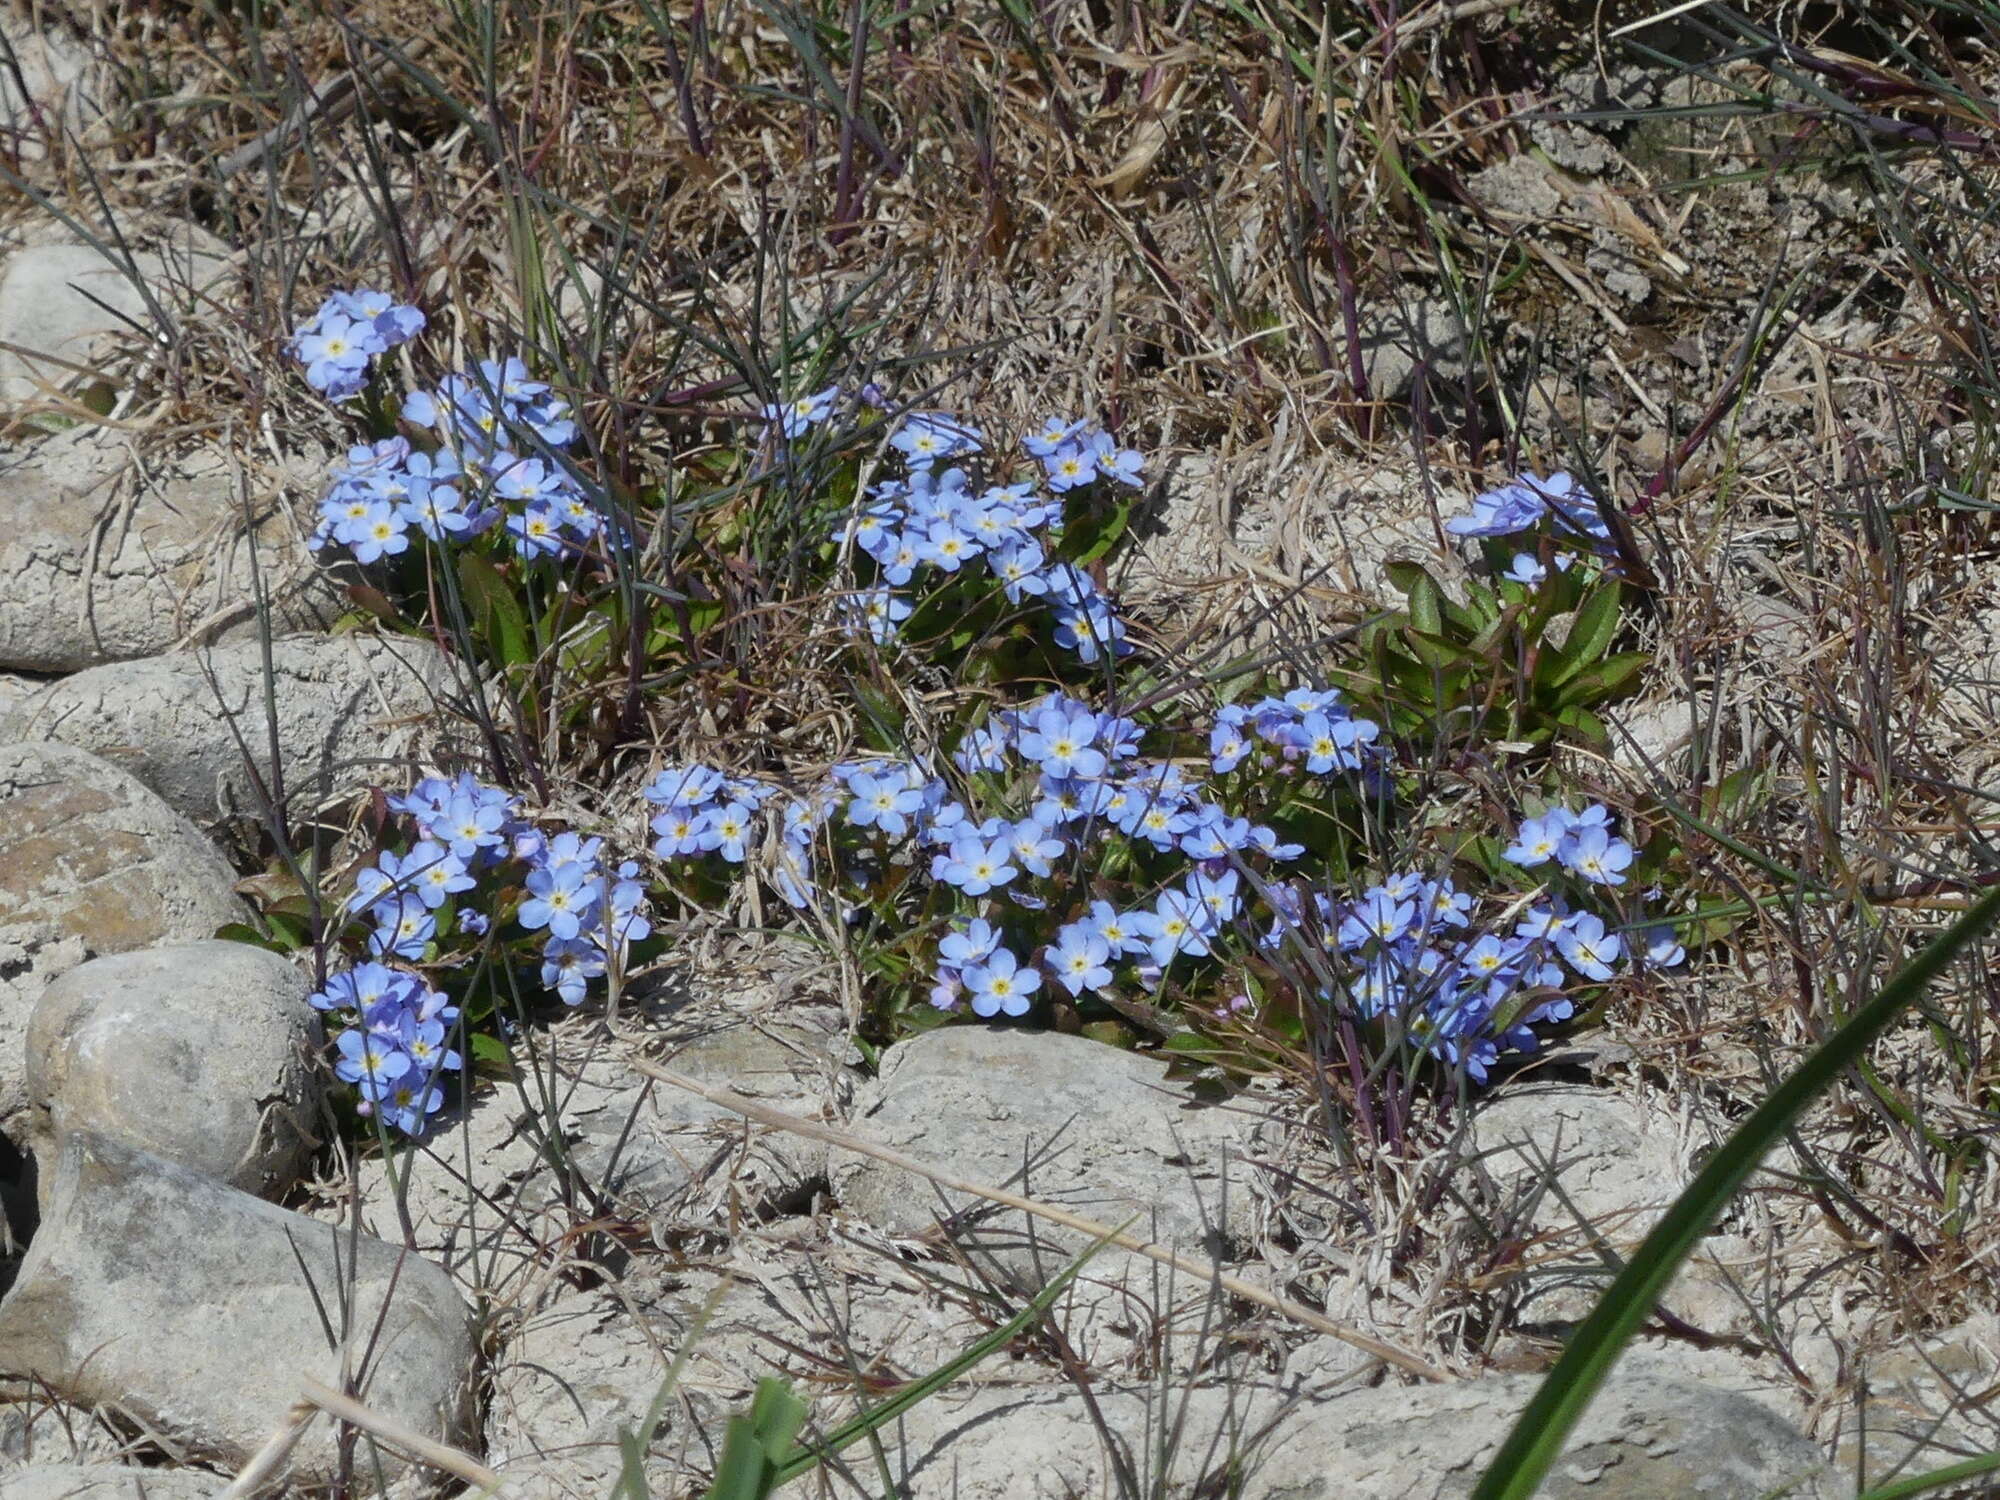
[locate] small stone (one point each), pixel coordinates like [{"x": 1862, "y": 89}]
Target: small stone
[
  {"x": 196, "y": 1309},
  {"x": 1655, "y": 736},
  {"x": 202, "y": 1053},
  {"x": 90, "y": 862},
  {"x": 349, "y": 714},
  {"x": 1397, "y": 339}
]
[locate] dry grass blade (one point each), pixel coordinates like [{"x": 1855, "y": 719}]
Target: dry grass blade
[
  {"x": 405, "y": 1439},
  {"x": 1388, "y": 1353}
]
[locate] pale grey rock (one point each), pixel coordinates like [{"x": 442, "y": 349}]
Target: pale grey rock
[
  {"x": 1924, "y": 1405},
  {"x": 91, "y": 862},
  {"x": 1089, "y": 1128},
  {"x": 1398, "y": 338},
  {"x": 460, "y": 1185},
  {"x": 1286, "y": 518},
  {"x": 65, "y": 306},
  {"x": 197, "y": 1308},
  {"x": 1613, "y": 267},
  {"x": 108, "y": 1482},
  {"x": 1655, "y": 737},
  {"x": 644, "y": 1150},
  {"x": 1518, "y": 188},
  {"x": 62, "y": 95},
  {"x": 105, "y": 557},
  {"x": 39, "y": 1429},
  {"x": 1574, "y": 146},
  {"x": 1569, "y": 1164},
  {"x": 1009, "y": 1442},
  {"x": 1583, "y": 1154},
  {"x": 667, "y": 1154},
  {"x": 1774, "y": 630},
  {"x": 202, "y": 1053},
  {"x": 578, "y": 1374},
  {"x": 1649, "y": 1435},
  {"x": 350, "y": 711},
  {"x": 16, "y": 689}
]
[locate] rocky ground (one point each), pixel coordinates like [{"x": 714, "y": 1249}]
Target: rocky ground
[{"x": 596, "y": 1252}]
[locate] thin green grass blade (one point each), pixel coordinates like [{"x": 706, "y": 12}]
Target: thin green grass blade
[
  {"x": 1936, "y": 1479},
  {"x": 1539, "y": 1434}
]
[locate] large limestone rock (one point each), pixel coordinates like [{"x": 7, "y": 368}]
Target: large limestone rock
[
  {"x": 200, "y": 1052},
  {"x": 349, "y": 711},
  {"x": 1575, "y": 1166},
  {"x": 1649, "y": 1435},
  {"x": 105, "y": 556},
  {"x": 646, "y": 1150},
  {"x": 197, "y": 1308},
  {"x": 64, "y": 308},
  {"x": 37, "y": 1428},
  {"x": 1581, "y": 1159},
  {"x": 663, "y": 1152},
  {"x": 1058, "y": 1118},
  {"x": 90, "y": 862}
]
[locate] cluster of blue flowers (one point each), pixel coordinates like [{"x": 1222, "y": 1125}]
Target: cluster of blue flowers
[
  {"x": 399, "y": 1045},
  {"x": 1571, "y": 512},
  {"x": 1411, "y": 952},
  {"x": 466, "y": 834},
  {"x": 1074, "y": 453},
  {"x": 1582, "y": 843},
  {"x": 937, "y": 521},
  {"x": 1074, "y": 776},
  {"x": 1306, "y": 725},
  {"x": 339, "y": 343},
  {"x": 470, "y": 475},
  {"x": 704, "y": 811},
  {"x": 471, "y": 480}
]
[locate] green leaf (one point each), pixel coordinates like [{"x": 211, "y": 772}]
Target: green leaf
[
  {"x": 1590, "y": 636},
  {"x": 1403, "y": 575},
  {"x": 495, "y": 611},
  {"x": 1542, "y": 1429},
  {"x": 243, "y": 932},
  {"x": 883, "y": 720},
  {"x": 289, "y": 933},
  {"x": 1426, "y": 604},
  {"x": 1437, "y": 650},
  {"x": 1088, "y": 536},
  {"x": 1936, "y": 1479},
  {"x": 1585, "y": 723},
  {"x": 491, "y": 1055},
  {"x": 1609, "y": 679}
]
